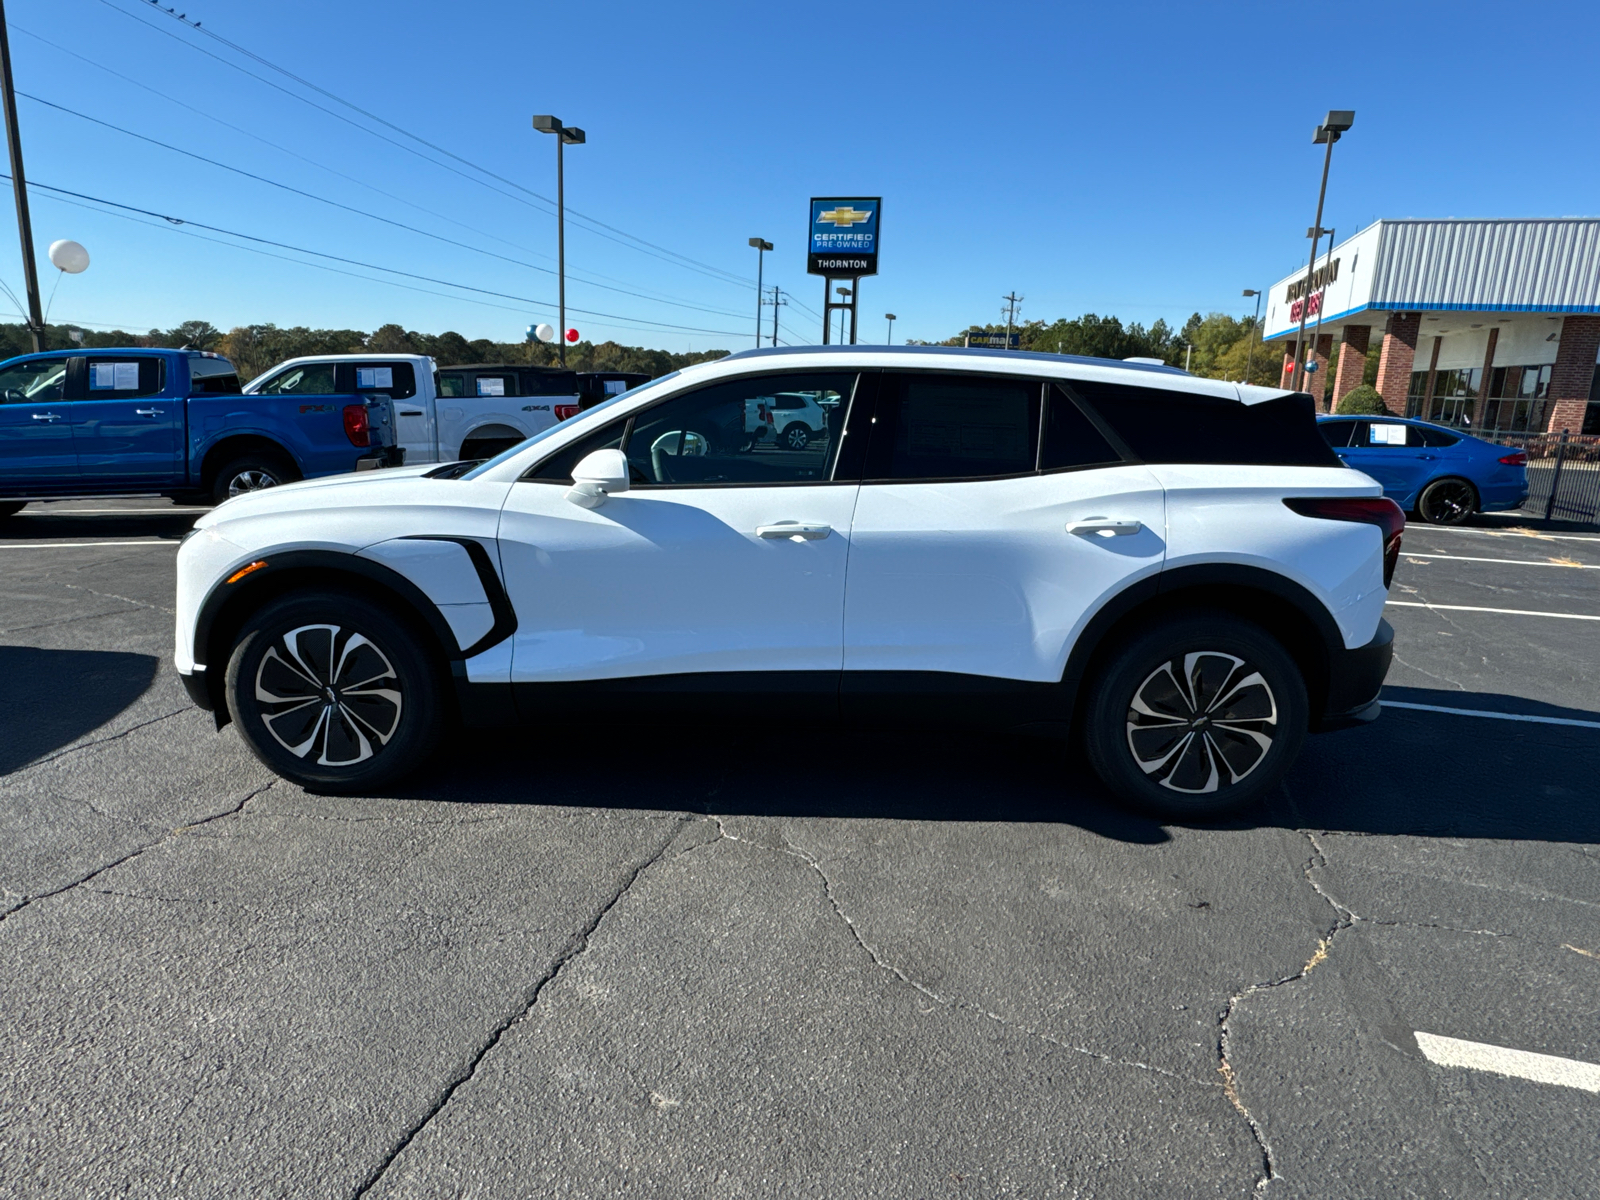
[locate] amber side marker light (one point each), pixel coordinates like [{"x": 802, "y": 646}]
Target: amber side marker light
[{"x": 243, "y": 571}]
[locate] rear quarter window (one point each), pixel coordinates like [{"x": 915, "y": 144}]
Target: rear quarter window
[{"x": 1162, "y": 426}]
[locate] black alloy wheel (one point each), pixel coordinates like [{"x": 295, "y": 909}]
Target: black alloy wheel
[
  {"x": 1447, "y": 502},
  {"x": 1197, "y": 717},
  {"x": 332, "y": 692},
  {"x": 797, "y": 436}
]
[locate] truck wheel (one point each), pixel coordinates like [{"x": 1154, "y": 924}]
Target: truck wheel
[
  {"x": 332, "y": 692},
  {"x": 10, "y": 508},
  {"x": 1198, "y": 716},
  {"x": 249, "y": 473}
]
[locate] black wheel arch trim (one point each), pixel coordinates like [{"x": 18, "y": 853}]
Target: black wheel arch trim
[{"x": 334, "y": 563}]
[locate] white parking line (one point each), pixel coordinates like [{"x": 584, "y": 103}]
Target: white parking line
[
  {"x": 1510, "y": 612},
  {"x": 1498, "y": 716},
  {"x": 1515, "y": 562},
  {"x": 1527, "y": 533},
  {"x": 75, "y": 545},
  {"x": 1500, "y": 1060}
]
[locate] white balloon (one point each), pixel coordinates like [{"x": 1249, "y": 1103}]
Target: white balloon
[
  {"x": 69, "y": 256},
  {"x": 545, "y": 333}
]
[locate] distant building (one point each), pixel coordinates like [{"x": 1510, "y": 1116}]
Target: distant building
[{"x": 1493, "y": 325}]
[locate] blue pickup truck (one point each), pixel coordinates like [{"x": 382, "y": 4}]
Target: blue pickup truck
[{"x": 174, "y": 423}]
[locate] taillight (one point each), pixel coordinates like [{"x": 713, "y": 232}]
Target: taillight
[
  {"x": 1368, "y": 510},
  {"x": 1518, "y": 459},
  {"x": 357, "y": 426},
  {"x": 563, "y": 411}
]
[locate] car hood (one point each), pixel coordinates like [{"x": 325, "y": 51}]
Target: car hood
[{"x": 292, "y": 496}]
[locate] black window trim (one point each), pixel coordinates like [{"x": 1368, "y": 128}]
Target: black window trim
[{"x": 627, "y": 432}]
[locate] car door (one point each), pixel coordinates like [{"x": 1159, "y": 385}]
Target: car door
[
  {"x": 127, "y": 432},
  {"x": 36, "y": 450},
  {"x": 718, "y": 560},
  {"x": 1392, "y": 452},
  {"x": 994, "y": 518}
]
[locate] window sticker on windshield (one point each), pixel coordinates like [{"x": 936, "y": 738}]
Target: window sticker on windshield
[
  {"x": 114, "y": 377},
  {"x": 491, "y": 386},
  {"x": 1387, "y": 435},
  {"x": 374, "y": 377}
]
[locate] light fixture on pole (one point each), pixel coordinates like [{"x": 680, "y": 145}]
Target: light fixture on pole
[
  {"x": 1334, "y": 124},
  {"x": 761, "y": 247},
  {"x": 565, "y": 136},
  {"x": 1250, "y": 354},
  {"x": 889, "y": 337}
]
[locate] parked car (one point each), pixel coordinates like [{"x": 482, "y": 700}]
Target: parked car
[
  {"x": 447, "y": 415},
  {"x": 1177, "y": 569},
  {"x": 174, "y": 423},
  {"x": 1441, "y": 474}
]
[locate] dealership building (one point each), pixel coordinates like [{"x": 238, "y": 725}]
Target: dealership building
[{"x": 1491, "y": 325}]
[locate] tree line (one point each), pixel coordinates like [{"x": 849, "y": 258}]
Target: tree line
[{"x": 256, "y": 348}]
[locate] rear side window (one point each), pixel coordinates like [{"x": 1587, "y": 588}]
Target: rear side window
[
  {"x": 1070, "y": 438},
  {"x": 933, "y": 426},
  {"x": 1336, "y": 433},
  {"x": 1436, "y": 438},
  {"x": 112, "y": 377},
  {"x": 398, "y": 381},
  {"x": 452, "y": 383},
  {"x": 1162, "y": 426}
]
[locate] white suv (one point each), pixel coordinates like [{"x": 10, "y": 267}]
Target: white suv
[{"x": 1176, "y": 571}]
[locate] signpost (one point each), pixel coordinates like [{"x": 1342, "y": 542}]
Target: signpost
[{"x": 843, "y": 244}]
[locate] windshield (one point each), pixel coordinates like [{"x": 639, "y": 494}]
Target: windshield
[{"x": 561, "y": 427}]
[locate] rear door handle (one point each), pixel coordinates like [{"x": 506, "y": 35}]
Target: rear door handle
[
  {"x": 148, "y": 412},
  {"x": 47, "y": 416},
  {"x": 1104, "y": 527},
  {"x": 794, "y": 531}
]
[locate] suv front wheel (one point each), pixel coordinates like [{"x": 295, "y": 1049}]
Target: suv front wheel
[
  {"x": 1195, "y": 717},
  {"x": 332, "y": 692}
]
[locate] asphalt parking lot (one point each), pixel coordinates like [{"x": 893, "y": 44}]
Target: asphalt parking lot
[{"x": 625, "y": 962}]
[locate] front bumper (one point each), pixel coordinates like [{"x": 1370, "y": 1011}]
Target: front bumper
[
  {"x": 1354, "y": 680},
  {"x": 194, "y": 682}
]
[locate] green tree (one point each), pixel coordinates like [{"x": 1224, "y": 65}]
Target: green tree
[
  {"x": 1363, "y": 401},
  {"x": 197, "y": 335}
]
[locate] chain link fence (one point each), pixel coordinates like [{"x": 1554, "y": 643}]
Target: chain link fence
[{"x": 1563, "y": 474}]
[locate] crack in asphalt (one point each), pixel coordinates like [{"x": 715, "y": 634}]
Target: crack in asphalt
[
  {"x": 943, "y": 1000},
  {"x": 78, "y": 587},
  {"x": 60, "y": 754},
  {"x": 576, "y": 945},
  {"x": 179, "y": 831}
]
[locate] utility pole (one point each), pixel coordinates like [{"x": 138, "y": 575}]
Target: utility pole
[
  {"x": 776, "y": 301},
  {"x": 1011, "y": 313},
  {"x": 19, "y": 187}
]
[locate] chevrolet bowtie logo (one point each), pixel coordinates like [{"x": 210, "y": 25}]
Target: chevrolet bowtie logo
[{"x": 843, "y": 218}]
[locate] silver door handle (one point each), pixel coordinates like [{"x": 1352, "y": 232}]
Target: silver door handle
[
  {"x": 148, "y": 412},
  {"x": 46, "y": 416},
  {"x": 1104, "y": 527},
  {"x": 795, "y": 530}
]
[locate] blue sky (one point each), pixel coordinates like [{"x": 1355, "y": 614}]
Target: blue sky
[{"x": 1146, "y": 160}]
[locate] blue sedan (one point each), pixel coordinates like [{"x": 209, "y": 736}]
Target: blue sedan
[{"x": 1443, "y": 475}]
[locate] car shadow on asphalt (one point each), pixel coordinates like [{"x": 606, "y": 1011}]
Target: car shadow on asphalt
[
  {"x": 51, "y": 698},
  {"x": 55, "y": 527},
  {"x": 1411, "y": 772}
]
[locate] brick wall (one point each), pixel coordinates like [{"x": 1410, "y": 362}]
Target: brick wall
[
  {"x": 1398, "y": 357},
  {"x": 1317, "y": 381},
  {"x": 1352, "y": 360},
  {"x": 1573, "y": 374}
]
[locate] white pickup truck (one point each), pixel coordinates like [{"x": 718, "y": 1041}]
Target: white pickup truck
[{"x": 441, "y": 415}]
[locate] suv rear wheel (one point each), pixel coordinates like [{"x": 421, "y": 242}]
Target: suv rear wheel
[
  {"x": 1198, "y": 716},
  {"x": 332, "y": 692}
]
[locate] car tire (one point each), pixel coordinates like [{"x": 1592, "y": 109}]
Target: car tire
[
  {"x": 1152, "y": 728},
  {"x": 1447, "y": 501},
  {"x": 249, "y": 473},
  {"x": 796, "y": 436},
  {"x": 10, "y": 508},
  {"x": 333, "y": 692}
]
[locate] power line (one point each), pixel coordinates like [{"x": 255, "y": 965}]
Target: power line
[
  {"x": 643, "y": 246},
  {"x": 636, "y": 321}
]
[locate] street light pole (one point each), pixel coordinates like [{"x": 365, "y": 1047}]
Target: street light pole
[
  {"x": 565, "y": 135},
  {"x": 19, "y": 187},
  {"x": 1336, "y": 122},
  {"x": 888, "y": 339},
  {"x": 761, "y": 247},
  {"x": 844, "y": 298},
  {"x": 1316, "y": 333},
  {"x": 1250, "y": 354}
]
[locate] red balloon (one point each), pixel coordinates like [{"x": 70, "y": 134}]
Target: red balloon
[{"x": 572, "y": 335}]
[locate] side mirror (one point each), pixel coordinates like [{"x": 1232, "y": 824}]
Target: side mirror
[{"x": 601, "y": 474}]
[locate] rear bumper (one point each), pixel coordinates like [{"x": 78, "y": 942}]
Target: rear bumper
[{"x": 1354, "y": 679}]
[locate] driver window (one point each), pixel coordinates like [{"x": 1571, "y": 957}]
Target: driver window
[
  {"x": 308, "y": 379},
  {"x": 37, "y": 382},
  {"x": 766, "y": 429}
]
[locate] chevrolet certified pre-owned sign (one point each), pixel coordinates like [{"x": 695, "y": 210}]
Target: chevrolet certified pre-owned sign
[{"x": 844, "y": 237}]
